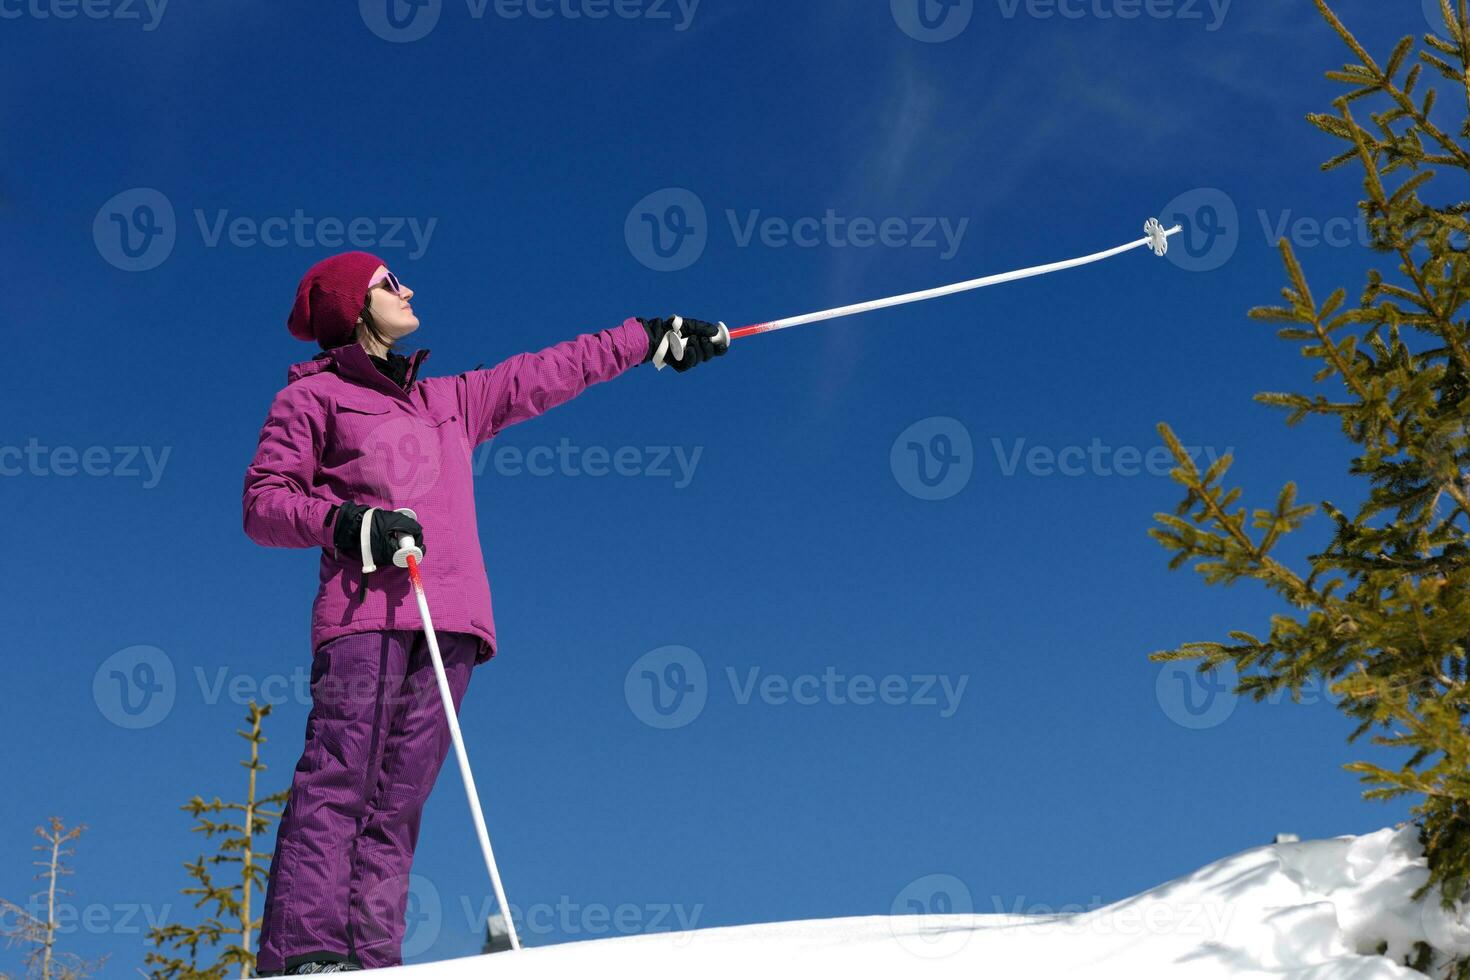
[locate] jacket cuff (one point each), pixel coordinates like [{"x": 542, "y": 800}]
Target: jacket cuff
[
  {"x": 632, "y": 340},
  {"x": 326, "y": 526}
]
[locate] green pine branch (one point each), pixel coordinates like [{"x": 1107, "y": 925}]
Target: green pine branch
[{"x": 1381, "y": 614}]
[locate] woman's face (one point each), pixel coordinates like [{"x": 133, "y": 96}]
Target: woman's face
[{"x": 392, "y": 312}]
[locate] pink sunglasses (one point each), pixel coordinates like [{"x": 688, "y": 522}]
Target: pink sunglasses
[{"x": 394, "y": 286}]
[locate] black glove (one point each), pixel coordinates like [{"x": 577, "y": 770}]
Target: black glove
[
  {"x": 387, "y": 526},
  {"x": 700, "y": 345}
]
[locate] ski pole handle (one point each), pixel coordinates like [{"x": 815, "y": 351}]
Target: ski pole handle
[
  {"x": 406, "y": 544},
  {"x": 678, "y": 343}
]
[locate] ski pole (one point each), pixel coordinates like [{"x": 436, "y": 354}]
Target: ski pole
[
  {"x": 408, "y": 556},
  {"x": 1155, "y": 237}
]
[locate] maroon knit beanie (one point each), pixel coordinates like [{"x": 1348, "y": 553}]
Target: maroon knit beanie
[{"x": 331, "y": 297}]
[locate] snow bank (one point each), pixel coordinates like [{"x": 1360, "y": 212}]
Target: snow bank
[{"x": 1314, "y": 910}]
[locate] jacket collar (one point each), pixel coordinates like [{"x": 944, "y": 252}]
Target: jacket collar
[{"x": 352, "y": 363}]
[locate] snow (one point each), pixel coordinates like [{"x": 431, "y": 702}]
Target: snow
[{"x": 1312, "y": 910}]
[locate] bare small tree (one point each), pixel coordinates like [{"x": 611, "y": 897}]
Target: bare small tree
[{"x": 24, "y": 927}]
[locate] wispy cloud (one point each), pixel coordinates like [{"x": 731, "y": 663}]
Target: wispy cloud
[{"x": 998, "y": 133}]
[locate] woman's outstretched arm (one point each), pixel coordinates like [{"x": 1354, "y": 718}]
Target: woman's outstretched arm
[{"x": 526, "y": 385}]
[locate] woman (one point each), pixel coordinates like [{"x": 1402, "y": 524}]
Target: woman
[{"x": 355, "y": 431}]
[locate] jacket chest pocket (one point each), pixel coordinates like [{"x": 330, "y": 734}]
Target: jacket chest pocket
[{"x": 393, "y": 457}]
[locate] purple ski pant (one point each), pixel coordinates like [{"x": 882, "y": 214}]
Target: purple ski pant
[{"x": 375, "y": 741}]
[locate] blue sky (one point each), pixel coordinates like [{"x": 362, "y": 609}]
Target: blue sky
[{"x": 770, "y": 522}]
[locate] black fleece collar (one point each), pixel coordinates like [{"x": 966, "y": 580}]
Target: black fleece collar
[{"x": 394, "y": 367}]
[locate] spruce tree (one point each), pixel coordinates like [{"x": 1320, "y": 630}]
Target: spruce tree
[
  {"x": 1382, "y": 613},
  {"x": 231, "y": 916}
]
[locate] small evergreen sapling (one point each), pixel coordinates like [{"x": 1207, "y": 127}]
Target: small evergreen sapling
[{"x": 231, "y": 919}]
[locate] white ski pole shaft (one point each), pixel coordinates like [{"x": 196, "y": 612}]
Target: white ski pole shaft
[
  {"x": 408, "y": 556},
  {"x": 1157, "y": 238}
]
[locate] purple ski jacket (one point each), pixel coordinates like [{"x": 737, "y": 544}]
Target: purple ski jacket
[{"x": 342, "y": 431}]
